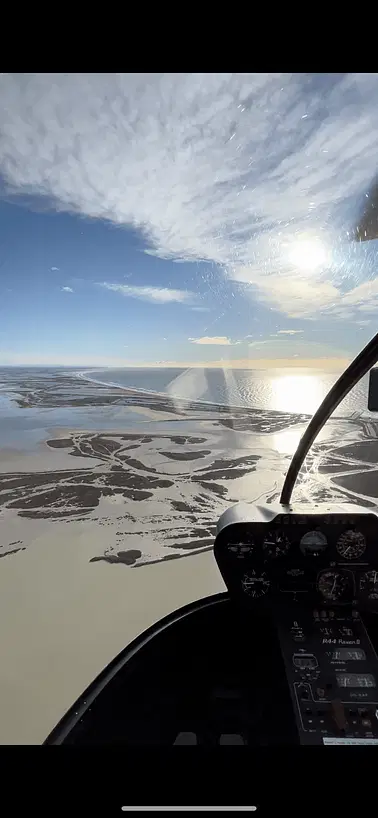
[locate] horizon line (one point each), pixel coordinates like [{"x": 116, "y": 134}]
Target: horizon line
[{"x": 258, "y": 363}]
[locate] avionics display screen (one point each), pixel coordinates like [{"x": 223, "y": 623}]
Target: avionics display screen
[
  {"x": 355, "y": 680},
  {"x": 348, "y": 654}
]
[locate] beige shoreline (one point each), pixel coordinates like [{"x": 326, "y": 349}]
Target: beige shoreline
[{"x": 70, "y": 618}]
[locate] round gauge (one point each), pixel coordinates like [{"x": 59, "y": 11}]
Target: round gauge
[
  {"x": 369, "y": 584},
  {"x": 241, "y": 550},
  {"x": 351, "y": 545},
  {"x": 276, "y": 544},
  {"x": 313, "y": 543},
  {"x": 334, "y": 585},
  {"x": 255, "y": 583}
]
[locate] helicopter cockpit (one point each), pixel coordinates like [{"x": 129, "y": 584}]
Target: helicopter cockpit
[{"x": 286, "y": 656}]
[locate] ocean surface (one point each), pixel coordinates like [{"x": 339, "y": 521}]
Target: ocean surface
[
  {"x": 287, "y": 390},
  {"x": 297, "y": 391}
]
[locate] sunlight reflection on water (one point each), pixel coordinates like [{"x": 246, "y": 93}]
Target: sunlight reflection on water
[
  {"x": 297, "y": 393},
  {"x": 294, "y": 390}
]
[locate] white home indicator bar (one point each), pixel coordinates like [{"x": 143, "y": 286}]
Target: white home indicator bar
[{"x": 188, "y": 809}]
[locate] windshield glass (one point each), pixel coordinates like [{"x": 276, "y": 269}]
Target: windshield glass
[{"x": 186, "y": 267}]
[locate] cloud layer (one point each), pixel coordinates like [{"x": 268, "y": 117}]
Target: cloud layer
[
  {"x": 221, "y": 167},
  {"x": 157, "y": 295},
  {"x": 217, "y": 340},
  {"x": 289, "y": 331}
]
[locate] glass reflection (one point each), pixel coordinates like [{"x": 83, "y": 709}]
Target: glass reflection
[{"x": 286, "y": 442}]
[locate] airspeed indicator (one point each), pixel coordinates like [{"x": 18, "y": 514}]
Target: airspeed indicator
[{"x": 255, "y": 583}]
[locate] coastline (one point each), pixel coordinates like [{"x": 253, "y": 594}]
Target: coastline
[
  {"x": 195, "y": 456},
  {"x": 167, "y": 483},
  {"x": 152, "y": 392},
  {"x": 85, "y": 373},
  {"x": 225, "y": 406}
]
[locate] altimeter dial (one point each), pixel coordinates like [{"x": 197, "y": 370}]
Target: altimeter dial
[
  {"x": 351, "y": 545},
  {"x": 335, "y": 586}
]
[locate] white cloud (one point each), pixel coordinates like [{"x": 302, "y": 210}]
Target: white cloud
[
  {"x": 218, "y": 340},
  {"x": 54, "y": 269},
  {"x": 158, "y": 295},
  {"x": 201, "y": 309},
  {"x": 299, "y": 297},
  {"x": 295, "y": 296},
  {"x": 67, "y": 290},
  {"x": 289, "y": 331},
  {"x": 218, "y": 166}
]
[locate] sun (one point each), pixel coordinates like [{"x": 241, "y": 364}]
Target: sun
[{"x": 308, "y": 253}]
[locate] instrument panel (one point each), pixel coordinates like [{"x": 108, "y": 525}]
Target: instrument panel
[{"x": 321, "y": 555}]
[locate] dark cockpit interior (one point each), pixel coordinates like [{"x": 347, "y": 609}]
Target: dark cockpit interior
[{"x": 285, "y": 657}]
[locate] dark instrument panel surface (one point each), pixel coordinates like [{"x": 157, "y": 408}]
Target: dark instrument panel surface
[{"x": 320, "y": 557}]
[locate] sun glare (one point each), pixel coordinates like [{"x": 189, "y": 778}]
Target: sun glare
[
  {"x": 308, "y": 254},
  {"x": 297, "y": 393}
]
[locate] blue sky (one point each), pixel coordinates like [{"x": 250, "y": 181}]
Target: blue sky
[{"x": 185, "y": 218}]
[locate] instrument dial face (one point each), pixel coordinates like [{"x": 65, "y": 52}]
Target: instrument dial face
[
  {"x": 369, "y": 584},
  {"x": 335, "y": 586},
  {"x": 313, "y": 543},
  {"x": 240, "y": 550},
  {"x": 351, "y": 545},
  {"x": 255, "y": 583},
  {"x": 276, "y": 544}
]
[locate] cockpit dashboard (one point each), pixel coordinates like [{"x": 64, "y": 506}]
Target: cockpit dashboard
[{"x": 320, "y": 555}]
